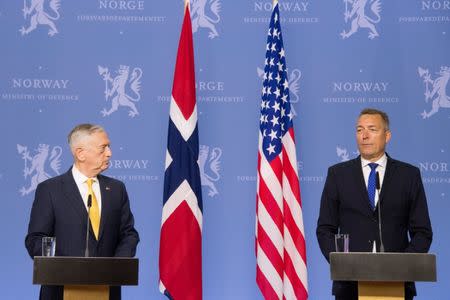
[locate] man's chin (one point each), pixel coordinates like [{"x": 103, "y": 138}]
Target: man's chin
[
  {"x": 104, "y": 167},
  {"x": 371, "y": 156},
  {"x": 367, "y": 155}
]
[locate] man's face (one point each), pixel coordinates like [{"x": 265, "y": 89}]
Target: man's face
[
  {"x": 97, "y": 152},
  {"x": 371, "y": 136}
]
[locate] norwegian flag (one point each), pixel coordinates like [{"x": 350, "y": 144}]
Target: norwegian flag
[
  {"x": 180, "y": 253},
  {"x": 280, "y": 240}
]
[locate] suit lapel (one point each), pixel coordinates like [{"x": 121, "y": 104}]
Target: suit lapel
[
  {"x": 362, "y": 189},
  {"x": 388, "y": 175},
  {"x": 72, "y": 193},
  {"x": 105, "y": 190}
]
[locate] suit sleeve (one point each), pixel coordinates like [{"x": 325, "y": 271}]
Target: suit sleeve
[
  {"x": 328, "y": 222},
  {"x": 419, "y": 225},
  {"x": 128, "y": 236},
  {"x": 41, "y": 221}
]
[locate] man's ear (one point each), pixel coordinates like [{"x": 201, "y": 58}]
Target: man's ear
[
  {"x": 388, "y": 136},
  {"x": 79, "y": 154}
]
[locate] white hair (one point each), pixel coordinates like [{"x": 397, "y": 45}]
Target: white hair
[{"x": 80, "y": 133}]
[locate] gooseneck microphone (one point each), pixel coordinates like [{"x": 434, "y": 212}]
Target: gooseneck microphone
[
  {"x": 89, "y": 204},
  {"x": 378, "y": 187}
]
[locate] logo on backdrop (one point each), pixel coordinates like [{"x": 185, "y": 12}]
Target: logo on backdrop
[
  {"x": 355, "y": 12},
  {"x": 35, "y": 165},
  {"x": 209, "y": 90},
  {"x": 435, "y": 172},
  {"x": 359, "y": 90},
  {"x": 427, "y": 11},
  {"x": 37, "y": 14},
  {"x": 209, "y": 163},
  {"x": 119, "y": 11},
  {"x": 435, "y": 90},
  {"x": 294, "y": 85},
  {"x": 131, "y": 169},
  {"x": 292, "y": 11},
  {"x": 40, "y": 87},
  {"x": 200, "y": 19},
  {"x": 344, "y": 154},
  {"x": 116, "y": 89}
]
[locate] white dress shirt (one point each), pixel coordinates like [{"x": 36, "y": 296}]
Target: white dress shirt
[
  {"x": 381, "y": 168},
  {"x": 80, "y": 180}
]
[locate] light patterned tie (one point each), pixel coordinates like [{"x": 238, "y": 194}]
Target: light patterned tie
[{"x": 94, "y": 214}]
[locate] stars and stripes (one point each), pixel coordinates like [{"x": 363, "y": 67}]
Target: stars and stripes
[
  {"x": 280, "y": 244},
  {"x": 180, "y": 255}
]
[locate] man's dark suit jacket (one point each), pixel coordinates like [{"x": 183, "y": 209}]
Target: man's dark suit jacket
[
  {"x": 58, "y": 210},
  {"x": 345, "y": 208}
]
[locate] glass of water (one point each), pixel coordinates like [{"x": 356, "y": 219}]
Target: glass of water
[
  {"x": 48, "y": 246},
  {"x": 341, "y": 241}
]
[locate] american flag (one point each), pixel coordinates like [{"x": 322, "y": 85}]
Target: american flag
[
  {"x": 280, "y": 244},
  {"x": 180, "y": 253}
]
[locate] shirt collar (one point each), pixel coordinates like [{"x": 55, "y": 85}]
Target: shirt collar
[
  {"x": 382, "y": 161},
  {"x": 79, "y": 177}
]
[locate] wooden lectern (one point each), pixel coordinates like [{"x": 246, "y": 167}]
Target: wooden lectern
[
  {"x": 85, "y": 277},
  {"x": 381, "y": 276}
]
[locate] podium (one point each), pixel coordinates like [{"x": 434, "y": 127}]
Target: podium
[
  {"x": 381, "y": 276},
  {"x": 85, "y": 277}
]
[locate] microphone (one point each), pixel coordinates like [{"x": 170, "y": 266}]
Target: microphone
[
  {"x": 89, "y": 204},
  {"x": 378, "y": 187}
]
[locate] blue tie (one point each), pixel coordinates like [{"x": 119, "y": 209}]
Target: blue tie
[{"x": 371, "y": 184}]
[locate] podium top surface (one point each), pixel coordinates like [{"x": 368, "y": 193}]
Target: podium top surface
[
  {"x": 366, "y": 266},
  {"x": 65, "y": 270}
]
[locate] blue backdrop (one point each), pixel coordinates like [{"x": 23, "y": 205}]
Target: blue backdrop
[{"x": 65, "y": 62}]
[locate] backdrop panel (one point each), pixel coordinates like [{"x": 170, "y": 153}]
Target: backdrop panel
[{"x": 59, "y": 60}]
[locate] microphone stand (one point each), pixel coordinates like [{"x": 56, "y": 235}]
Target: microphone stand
[
  {"x": 378, "y": 187},
  {"x": 89, "y": 204}
]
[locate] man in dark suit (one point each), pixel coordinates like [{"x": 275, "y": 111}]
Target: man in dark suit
[
  {"x": 60, "y": 207},
  {"x": 346, "y": 208}
]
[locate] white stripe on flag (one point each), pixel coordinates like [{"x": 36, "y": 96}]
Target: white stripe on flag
[
  {"x": 186, "y": 127},
  {"x": 183, "y": 193},
  {"x": 289, "y": 146},
  {"x": 293, "y": 204},
  {"x": 269, "y": 272},
  {"x": 168, "y": 159},
  {"x": 297, "y": 260},
  {"x": 270, "y": 228},
  {"x": 288, "y": 290}
]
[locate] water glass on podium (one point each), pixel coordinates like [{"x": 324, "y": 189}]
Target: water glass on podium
[
  {"x": 48, "y": 246},
  {"x": 341, "y": 241}
]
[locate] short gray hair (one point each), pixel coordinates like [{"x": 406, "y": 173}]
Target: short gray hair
[
  {"x": 373, "y": 111},
  {"x": 81, "y": 131}
]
